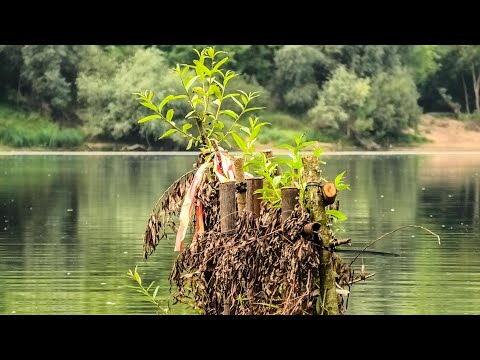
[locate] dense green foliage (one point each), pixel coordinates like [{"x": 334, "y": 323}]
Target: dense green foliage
[{"x": 375, "y": 98}]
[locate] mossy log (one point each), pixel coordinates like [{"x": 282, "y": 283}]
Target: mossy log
[{"x": 316, "y": 205}]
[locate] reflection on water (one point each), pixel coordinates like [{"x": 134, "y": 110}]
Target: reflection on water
[{"x": 72, "y": 226}]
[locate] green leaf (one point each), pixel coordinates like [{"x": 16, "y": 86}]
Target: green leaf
[
  {"x": 245, "y": 100},
  {"x": 230, "y": 113},
  {"x": 339, "y": 177},
  {"x": 202, "y": 68},
  {"x": 149, "y": 105},
  {"x": 228, "y": 76},
  {"x": 190, "y": 113},
  {"x": 148, "y": 118},
  {"x": 164, "y": 102},
  {"x": 219, "y": 124},
  {"x": 286, "y": 146},
  {"x": 317, "y": 152},
  {"x": 190, "y": 83},
  {"x": 155, "y": 292},
  {"x": 257, "y": 128},
  {"x": 178, "y": 97},
  {"x": 276, "y": 181},
  {"x": 338, "y": 214},
  {"x": 217, "y": 65},
  {"x": 198, "y": 90},
  {"x": 169, "y": 115},
  {"x": 149, "y": 286},
  {"x": 254, "y": 108},
  {"x": 217, "y": 102},
  {"x": 150, "y": 96},
  {"x": 246, "y": 130},
  {"x": 185, "y": 70},
  {"x": 138, "y": 279},
  {"x": 230, "y": 95},
  {"x": 186, "y": 127},
  {"x": 238, "y": 103},
  {"x": 240, "y": 142},
  {"x": 228, "y": 143},
  {"x": 189, "y": 146},
  {"x": 166, "y": 133}
]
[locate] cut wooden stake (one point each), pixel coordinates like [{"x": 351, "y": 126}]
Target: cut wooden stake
[
  {"x": 289, "y": 200},
  {"x": 253, "y": 200},
  {"x": 238, "y": 163},
  {"x": 228, "y": 212}
]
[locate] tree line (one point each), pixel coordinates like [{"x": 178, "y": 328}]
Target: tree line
[{"x": 368, "y": 94}]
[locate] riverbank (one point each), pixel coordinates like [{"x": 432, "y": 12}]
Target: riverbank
[{"x": 443, "y": 134}]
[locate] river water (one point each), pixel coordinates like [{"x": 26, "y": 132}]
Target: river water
[{"x": 71, "y": 226}]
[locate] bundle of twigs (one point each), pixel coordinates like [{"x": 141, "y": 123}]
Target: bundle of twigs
[{"x": 262, "y": 268}]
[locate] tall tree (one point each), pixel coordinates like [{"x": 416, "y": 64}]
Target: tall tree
[
  {"x": 10, "y": 64},
  {"x": 469, "y": 61},
  {"x": 48, "y": 78},
  {"x": 300, "y": 71}
]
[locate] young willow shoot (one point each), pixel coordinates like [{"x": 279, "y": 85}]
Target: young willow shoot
[{"x": 205, "y": 89}]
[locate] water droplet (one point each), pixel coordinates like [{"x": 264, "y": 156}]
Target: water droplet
[
  {"x": 110, "y": 303},
  {"x": 443, "y": 225},
  {"x": 69, "y": 209},
  {"x": 68, "y": 273},
  {"x": 6, "y": 221},
  {"x": 413, "y": 236},
  {"x": 381, "y": 196},
  {"x": 125, "y": 252},
  {"x": 431, "y": 215},
  {"x": 4, "y": 228},
  {"x": 449, "y": 195},
  {"x": 423, "y": 189},
  {"x": 392, "y": 209},
  {"x": 104, "y": 283},
  {"x": 461, "y": 223}
]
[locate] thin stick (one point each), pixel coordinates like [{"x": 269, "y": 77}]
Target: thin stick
[
  {"x": 361, "y": 279},
  {"x": 391, "y": 232},
  {"x": 172, "y": 185}
]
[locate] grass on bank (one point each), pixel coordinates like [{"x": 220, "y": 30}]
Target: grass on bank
[
  {"x": 284, "y": 128},
  {"x": 21, "y": 129}
]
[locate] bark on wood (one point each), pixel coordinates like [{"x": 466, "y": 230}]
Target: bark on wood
[
  {"x": 329, "y": 193},
  {"x": 228, "y": 211},
  {"x": 238, "y": 163},
  {"x": 316, "y": 206},
  {"x": 289, "y": 200},
  {"x": 253, "y": 200}
]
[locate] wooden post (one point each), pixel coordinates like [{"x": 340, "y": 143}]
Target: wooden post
[
  {"x": 228, "y": 211},
  {"x": 289, "y": 200},
  {"x": 238, "y": 163},
  {"x": 253, "y": 200},
  {"x": 316, "y": 205}
]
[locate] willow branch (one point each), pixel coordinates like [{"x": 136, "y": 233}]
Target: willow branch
[{"x": 391, "y": 232}]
